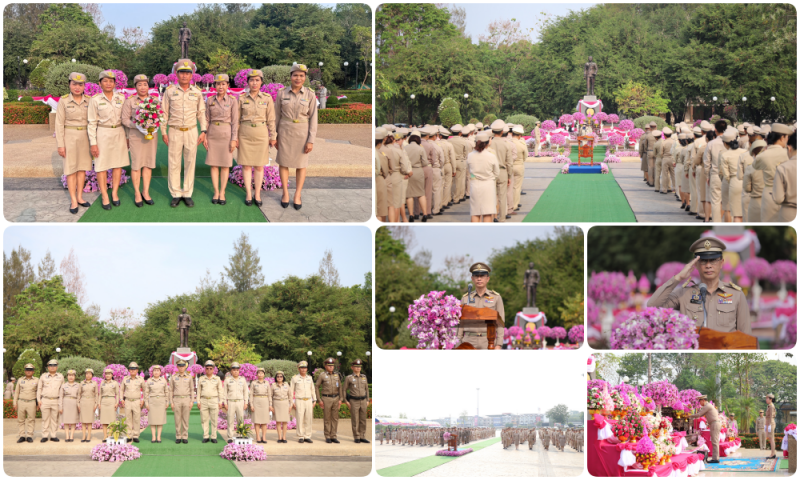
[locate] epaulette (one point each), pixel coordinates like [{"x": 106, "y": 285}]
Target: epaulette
[{"x": 734, "y": 286}]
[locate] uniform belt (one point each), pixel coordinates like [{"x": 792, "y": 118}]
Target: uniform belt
[
  {"x": 156, "y": 396},
  {"x": 257, "y": 124},
  {"x": 331, "y": 396},
  {"x": 236, "y": 399},
  {"x": 132, "y": 398},
  {"x": 76, "y": 128},
  {"x": 221, "y": 123},
  {"x": 475, "y": 334},
  {"x": 260, "y": 396},
  {"x": 792, "y": 205},
  {"x": 50, "y": 398},
  {"x": 110, "y": 126},
  {"x": 306, "y": 398},
  {"x": 70, "y": 396},
  {"x": 298, "y": 120},
  {"x": 26, "y": 399},
  {"x": 358, "y": 398},
  {"x": 180, "y": 396},
  {"x": 502, "y": 167},
  {"x": 183, "y": 129},
  {"x": 109, "y": 396},
  {"x": 208, "y": 398}
]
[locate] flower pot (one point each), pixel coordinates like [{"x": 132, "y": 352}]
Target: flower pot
[
  {"x": 116, "y": 436},
  {"x": 243, "y": 441},
  {"x": 149, "y": 135},
  {"x": 623, "y": 438}
]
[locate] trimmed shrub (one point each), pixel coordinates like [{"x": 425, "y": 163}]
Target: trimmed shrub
[
  {"x": 80, "y": 364},
  {"x": 449, "y": 117},
  {"x": 527, "y": 121},
  {"x": 28, "y": 356},
  {"x": 38, "y": 76},
  {"x": 642, "y": 121},
  {"x": 474, "y": 120},
  {"x": 341, "y": 115},
  {"x": 57, "y": 83},
  {"x": 26, "y": 114},
  {"x": 488, "y": 119},
  {"x": 288, "y": 367},
  {"x": 447, "y": 103},
  {"x": 280, "y": 74}
]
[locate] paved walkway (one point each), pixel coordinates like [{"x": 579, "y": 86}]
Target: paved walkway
[{"x": 647, "y": 204}]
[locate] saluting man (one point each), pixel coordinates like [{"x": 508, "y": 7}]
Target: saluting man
[
  {"x": 725, "y": 308},
  {"x": 47, "y": 396},
  {"x": 130, "y": 391},
  {"x": 301, "y": 391},
  {"x": 329, "y": 390},
  {"x": 184, "y": 106},
  {"x": 236, "y": 399},
  {"x": 357, "y": 400},
  {"x": 474, "y": 332},
  {"x": 25, "y": 403},
  {"x": 181, "y": 399},
  {"x": 210, "y": 398}
]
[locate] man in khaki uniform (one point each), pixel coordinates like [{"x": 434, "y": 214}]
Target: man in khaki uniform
[
  {"x": 449, "y": 168},
  {"x": 767, "y": 162},
  {"x": 784, "y": 185},
  {"x": 659, "y": 151},
  {"x": 643, "y": 153},
  {"x": 506, "y": 160},
  {"x": 512, "y": 146},
  {"x": 301, "y": 390},
  {"x": 711, "y": 169},
  {"x": 712, "y": 417},
  {"x": 436, "y": 174},
  {"x": 667, "y": 162},
  {"x": 130, "y": 391},
  {"x": 731, "y": 312},
  {"x": 537, "y": 135},
  {"x": 25, "y": 403},
  {"x": 330, "y": 390},
  {"x": 519, "y": 164},
  {"x": 650, "y": 145},
  {"x": 770, "y": 422},
  {"x": 356, "y": 389},
  {"x": 474, "y": 332},
  {"x": 210, "y": 398},
  {"x": 761, "y": 430},
  {"x": 460, "y": 147},
  {"x": 47, "y": 393},
  {"x": 181, "y": 399},
  {"x": 236, "y": 399},
  {"x": 184, "y": 106}
]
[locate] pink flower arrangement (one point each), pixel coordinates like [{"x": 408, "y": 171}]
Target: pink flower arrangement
[
  {"x": 272, "y": 178},
  {"x": 121, "y": 79},
  {"x": 542, "y": 153},
  {"x": 222, "y": 422},
  {"x": 626, "y": 125},
  {"x": 248, "y": 371},
  {"x": 565, "y": 168},
  {"x": 655, "y": 329},
  {"x": 91, "y": 89},
  {"x": 627, "y": 154},
  {"x": 604, "y": 168},
  {"x": 457, "y": 453},
  {"x": 196, "y": 78},
  {"x": 576, "y": 334},
  {"x": 689, "y": 399},
  {"x": 160, "y": 79},
  {"x": 561, "y": 159},
  {"x": 592, "y": 314},
  {"x": 104, "y": 452},
  {"x": 207, "y": 78},
  {"x": 608, "y": 287},
  {"x": 783, "y": 271},
  {"x": 613, "y": 118},
  {"x": 446, "y": 436},
  {"x": 667, "y": 271},
  {"x": 514, "y": 331},
  {"x": 566, "y": 119},
  {"x": 579, "y": 117},
  {"x": 790, "y": 427},
  {"x": 240, "y": 79},
  {"x": 602, "y": 116},
  {"x": 791, "y": 331},
  {"x": 756, "y": 268},
  {"x": 662, "y": 393},
  {"x": 557, "y": 139},
  {"x": 243, "y": 453},
  {"x": 545, "y": 332},
  {"x": 559, "y": 332},
  {"x": 611, "y": 159},
  {"x": 172, "y": 79},
  {"x": 433, "y": 320},
  {"x": 615, "y": 140},
  {"x": 548, "y": 125},
  {"x": 635, "y": 134},
  {"x": 272, "y": 89},
  {"x": 643, "y": 285},
  {"x": 645, "y": 446}
]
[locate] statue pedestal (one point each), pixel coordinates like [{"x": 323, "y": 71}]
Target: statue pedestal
[
  {"x": 184, "y": 351},
  {"x": 530, "y": 311},
  {"x": 183, "y": 354},
  {"x": 590, "y": 105}
]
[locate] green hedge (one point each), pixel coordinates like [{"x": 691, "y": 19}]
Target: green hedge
[
  {"x": 80, "y": 364},
  {"x": 488, "y": 119},
  {"x": 642, "y": 121},
  {"x": 288, "y": 367},
  {"x": 338, "y": 115},
  {"x": 751, "y": 440},
  {"x": 26, "y": 114},
  {"x": 527, "y": 121},
  {"x": 449, "y": 116},
  {"x": 28, "y": 356},
  {"x": 38, "y": 76},
  {"x": 57, "y": 83},
  {"x": 344, "y": 412}
]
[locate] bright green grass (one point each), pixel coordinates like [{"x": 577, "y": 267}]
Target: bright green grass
[
  {"x": 415, "y": 467},
  {"x": 582, "y": 198}
]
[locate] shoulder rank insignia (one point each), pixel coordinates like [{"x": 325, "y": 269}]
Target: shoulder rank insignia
[{"x": 734, "y": 286}]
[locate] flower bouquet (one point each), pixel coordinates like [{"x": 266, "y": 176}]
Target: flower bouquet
[
  {"x": 548, "y": 125},
  {"x": 622, "y": 430},
  {"x": 646, "y": 452},
  {"x": 104, "y": 452},
  {"x": 243, "y": 453},
  {"x": 663, "y": 393},
  {"x": 148, "y": 117},
  {"x": 619, "y": 404},
  {"x": 446, "y": 436},
  {"x": 91, "y": 89},
  {"x": 433, "y": 320},
  {"x": 576, "y": 334},
  {"x": 560, "y": 159},
  {"x": 594, "y": 401}
]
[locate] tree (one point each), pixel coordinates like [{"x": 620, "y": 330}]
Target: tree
[
  {"x": 46, "y": 268},
  {"x": 72, "y": 276},
  {"x": 558, "y": 414},
  {"x": 636, "y": 99},
  {"x": 228, "y": 349},
  {"x": 17, "y": 275},
  {"x": 327, "y": 269},
  {"x": 244, "y": 267},
  {"x": 363, "y": 39},
  {"x": 456, "y": 268},
  {"x": 224, "y": 61},
  {"x": 458, "y": 17},
  {"x": 95, "y": 10},
  {"x": 134, "y": 37}
]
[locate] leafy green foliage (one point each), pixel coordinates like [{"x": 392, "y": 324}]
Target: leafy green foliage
[
  {"x": 38, "y": 76},
  {"x": 271, "y": 367},
  {"x": 572, "y": 311},
  {"x": 473, "y": 120},
  {"x": 27, "y": 356},
  {"x": 227, "y": 350},
  {"x": 488, "y": 119},
  {"x": 558, "y": 414},
  {"x": 57, "y": 83},
  {"x": 634, "y": 98},
  {"x": 449, "y": 117},
  {"x": 527, "y": 121},
  {"x": 26, "y": 114},
  {"x": 448, "y": 103},
  {"x": 225, "y": 61},
  {"x": 80, "y": 364},
  {"x": 642, "y": 121}
]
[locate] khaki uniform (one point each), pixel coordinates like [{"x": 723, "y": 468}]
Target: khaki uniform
[
  {"x": 330, "y": 390},
  {"x": 784, "y": 191},
  {"x": 474, "y": 332},
  {"x": 47, "y": 395},
  {"x": 301, "y": 389},
  {"x": 260, "y": 401},
  {"x": 256, "y": 129},
  {"x": 437, "y": 178},
  {"x": 72, "y": 121},
  {"x": 25, "y": 403},
  {"x": 538, "y": 136},
  {"x": 731, "y": 184},
  {"x": 505, "y": 160},
  {"x": 181, "y": 397},
  {"x": 519, "y": 171},
  {"x": 711, "y": 168},
  {"x": 237, "y": 395},
  {"x": 223, "y": 128},
  {"x": 131, "y": 390},
  {"x": 427, "y": 171},
  {"x": 143, "y": 151},
  {"x": 745, "y": 161},
  {"x": 156, "y": 395},
  {"x": 447, "y": 171},
  {"x": 697, "y": 163},
  {"x": 712, "y": 417},
  {"x": 461, "y": 149},
  {"x": 357, "y": 389},
  {"x": 88, "y": 400},
  {"x": 659, "y": 155},
  {"x": 484, "y": 171},
  {"x": 770, "y": 423},
  {"x": 650, "y": 147},
  {"x": 68, "y": 403},
  {"x": 731, "y": 312},
  {"x": 393, "y": 158},
  {"x": 753, "y": 184},
  {"x": 183, "y": 109},
  {"x": 667, "y": 167},
  {"x": 109, "y": 399},
  {"x": 106, "y": 131},
  {"x": 210, "y": 394},
  {"x": 761, "y": 430},
  {"x": 296, "y": 117},
  {"x": 767, "y": 162},
  {"x": 512, "y": 146},
  {"x": 643, "y": 152}
]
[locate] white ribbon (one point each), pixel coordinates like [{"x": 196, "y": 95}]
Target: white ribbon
[{"x": 626, "y": 458}]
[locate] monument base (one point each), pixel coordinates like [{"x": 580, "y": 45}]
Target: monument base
[
  {"x": 590, "y": 105},
  {"x": 530, "y": 311},
  {"x": 184, "y": 351}
]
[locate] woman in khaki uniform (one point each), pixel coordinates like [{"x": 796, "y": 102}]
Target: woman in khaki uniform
[
  {"x": 753, "y": 183},
  {"x": 767, "y": 162},
  {"x": 296, "y": 111},
  {"x": 109, "y": 146},
  {"x": 416, "y": 181},
  {"x": 394, "y": 179},
  {"x": 731, "y": 184},
  {"x": 483, "y": 170},
  {"x": 156, "y": 392},
  {"x": 88, "y": 402},
  {"x": 143, "y": 151},
  {"x": 222, "y": 113},
  {"x": 745, "y": 160},
  {"x": 381, "y": 201},
  {"x": 73, "y": 140},
  {"x": 109, "y": 399},
  {"x": 279, "y": 404},
  {"x": 68, "y": 405},
  {"x": 8, "y": 393},
  {"x": 256, "y": 134},
  {"x": 259, "y": 405}
]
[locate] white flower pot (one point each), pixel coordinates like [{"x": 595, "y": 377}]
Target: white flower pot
[
  {"x": 121, "y": 441},
  {"x": 242, "y": 441}
]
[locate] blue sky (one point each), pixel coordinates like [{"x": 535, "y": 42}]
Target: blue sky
[{"x": 131, "y": 266}]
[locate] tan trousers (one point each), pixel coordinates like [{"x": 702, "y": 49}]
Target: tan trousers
[
  {"x": 771, "y": 438},
  {"x": 305, "y": 414},
  {"x": 331, "y": 416},
  {"x": 235, "y": 415},
  {"x": 209, "y": 410},
  {"x": 502, "y": 197},
  {"x": 693, "y": 197},
  {"x": 519, "y": 175},
  {"x": 762, "y": 440},
  {"x": 26, "y": 417},
  {"x": 536, "y": 144},
  {"x": 667, "y": 176},
  {"x": 510, "y": 192},
  {"x": 701, "y": 183},
  {"x": 447, "y": 184},
  {"x": 133, "y": 415},
  {"x": 651, "y": 165},
  {"x": 438, "y": 183},
  {"x": 182, "y": 145},
  {"x": 657, "y": 174},
  {"x": 358, "y": 418},
  {"x": 182, "y": 407},
  {"x": 461, "y": 169},
  {"x": 49, "y": 417},
  {"x": 714, "y": 427},
  {"x": 714, "y": 195}
]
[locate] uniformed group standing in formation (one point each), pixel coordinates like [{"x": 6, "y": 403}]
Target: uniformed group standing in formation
[
  {"x": 547, "y": 435},
  {"x": 722, "y": 173},
  {"x": 429, "y": 169},
  {"x": 434, "y": 436},
  {"x": 77, "y": 402},
  {"x": 99, "y": 132}
]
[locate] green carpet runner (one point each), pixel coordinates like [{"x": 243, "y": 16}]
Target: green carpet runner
[
  {"x": 415, "y": 467},
  {"x": 582, "y": 198}
]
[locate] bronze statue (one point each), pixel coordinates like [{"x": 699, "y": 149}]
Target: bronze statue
[
  {"x": 589, "y": 72},
  {"x": 184, "y": 322},
  {"x": 184, "y": 35},
  {"x": 531, "y": 282}
]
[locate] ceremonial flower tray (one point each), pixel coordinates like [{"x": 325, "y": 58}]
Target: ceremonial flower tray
[
  {"x": 457, "y": 453},
  {"x": 104, "y": 452},
  {"x": 243, "y": 453},
  {"x": 242, "y": 441},
  {"x": 120, "y": 441}
]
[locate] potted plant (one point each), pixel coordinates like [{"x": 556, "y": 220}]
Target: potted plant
[
  {"x": 242, "y": 434},
  {"x": 119, "y": 429}
]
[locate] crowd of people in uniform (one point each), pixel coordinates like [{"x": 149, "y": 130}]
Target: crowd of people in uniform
[
  {"x": 98, "y": 133},
  {"x": 421, "y": 172},
  {"x": 77, "y": 402},
  {"x": 434, "y": 436},
  {"x": 558, "y": 437},
  {"x": 724, "y": 173}
]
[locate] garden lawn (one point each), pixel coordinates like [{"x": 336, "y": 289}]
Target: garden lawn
[{"x": 415, "y": 467}]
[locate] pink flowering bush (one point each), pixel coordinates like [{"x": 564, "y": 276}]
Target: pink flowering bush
[
  {"x": 601, "y": 116},
  {"x": 626, "y": 125},
  {"x": 207, "y": 79},
  {"x": 272, "y": 89},
  {"x": 446, "y": 436},
  {"x": 667, "y": 271},
  {"x": 565, "y": 168},
  {"x": 240, "y": 79},
  {"x": 196, "y": 78},
  {"x": 272, "y": 178},
  {"x": 514, "y": 331},
  {"x": 756, "y": 268},
  {"x": 222, "y": 422},
  {"x": 160, "y": 79},
  {"x": 243, "y": 453},
  {"x": 117, "y": 371},
  {"x": 104, "y": 452},
  {"x": 689, "y": 398},
  {"x": 783, "y": 271},
  {"x": 121, "y": 80},
  {"x": 557, "y": 139},
  {"x": 662, "y": 393},
  {"x": 91, "y": 89},
  {"x": 655, "y": 329},
  {"x": 576, "y": 334},
  {"x": 433, "y": 320},
  {"x": 613, "y": 118},
  {"x": 248, "y": 371},
  {"x": 615, "y": 140},
  {"x": 791, "y": 331},
  {"x": 566, "y": 119},
  {"x": 592, "y": 313},
  {"x": 457, "y": 453},
  {"x": 608, "y": 287},
  {"x": 545, "y": 331},
  {"x": 559, "y": 332},
  {"x": 560, "y": 159},
  {"x": 172, "y": 79},
  {"x": 635, "y": 134},
  {"x": 603, "y": 168},
  {"x": 627, "y": 154},
  {"x": 548, "y": 125},
  {"x": 543, "y": 153}
]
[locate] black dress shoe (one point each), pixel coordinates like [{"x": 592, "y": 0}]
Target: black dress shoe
[
  {"x": 364, "y": 440},
  {"x": 258, "y": 202},
  {"x": 158, "y": 441},
  {"x": 425, "y": 218},
  {"x": 178, "y": 441},
  {"x": 21, "y": 439},
  {"x": 214, "y": 201},
  {"x": 29, "y": 439},
  {"x": 699, "y": 217},
  {"x": 73, "y": 210},
  {"x": 152, "y": 441},
  {"x": 213, "y": 440},
  {"x": 300, "y": 441},
  {"x": 136, "y": 440},
  {"x": 222, "y": 202},
  {"x": 188, "y": 201},
  {"x": 149, "y": 202},
  {"x": 335, "y": 440},
  {"x": 449, "y": 204},
  {"x": 248, "y": 202},
  {"x": 138, "y": 204},
  {"x": 508, "y": 216},
  {"x": 297, "y": 206},
  {"x": 284, "y": 204},
  {"x": 522, "y": 193},
  {"x": 496, "y": 220},
  {"x": 185, "y": 440},
  {"x": 439, "y": 213},
  {"x": 55, "y": 439},
  {"x": 691, "y": 213},
  {"x": 328, "y": 440},
  {"x": 85, "y": 204},
  {"x": 106, "y": 206},
  {"x": 175, "y": 202},
  {"x": 411, "y": 219},
  {"x": 308, "y": 440},
  {"x": 115, "y": 203},
  {"x": 717, "y": 461},
  {"x": 357, "y": 440},
  {"x": 43, "y": 440},
  {"x": 205, "y": 440}
]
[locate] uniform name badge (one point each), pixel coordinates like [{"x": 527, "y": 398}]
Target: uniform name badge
[{"x": 695, "y": 299}]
